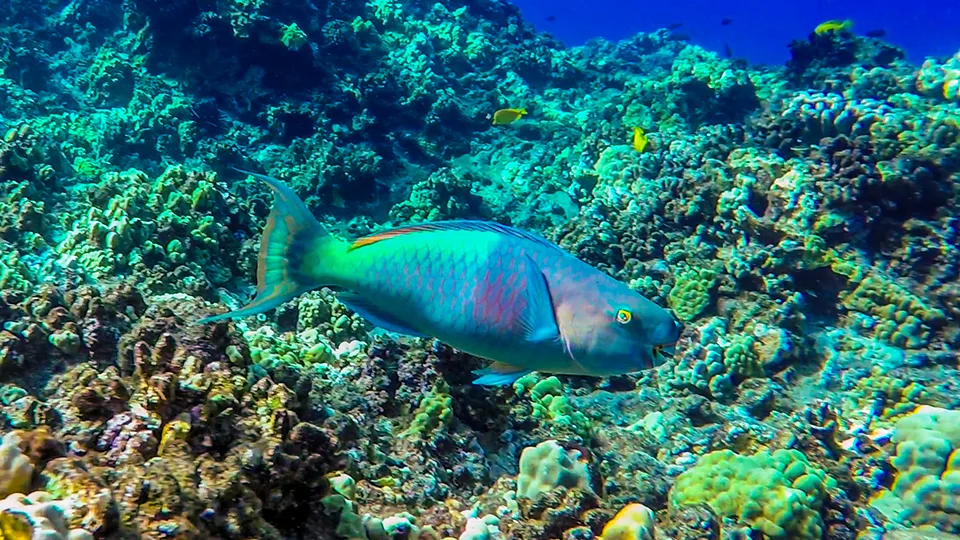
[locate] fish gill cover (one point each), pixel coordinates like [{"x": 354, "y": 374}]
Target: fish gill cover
[{"x": 801, "y": 222}]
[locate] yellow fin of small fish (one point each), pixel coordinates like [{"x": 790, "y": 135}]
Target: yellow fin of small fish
[
  {"x": 832, "y": 26},
  {"x": 507, "y": 116},
  {"x": 639, "y": 140}
]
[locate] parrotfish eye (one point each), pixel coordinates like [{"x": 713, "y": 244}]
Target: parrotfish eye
[{"x": 624, "y": 316}]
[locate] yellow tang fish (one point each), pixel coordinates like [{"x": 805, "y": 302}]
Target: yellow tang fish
[
  {"x": 507, "y": 116},
  {"x": 832, "y": 26},
  {"x": 640, "y": 140}
]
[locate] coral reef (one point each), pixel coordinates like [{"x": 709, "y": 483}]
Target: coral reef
[{"x": 801, "y": 222}]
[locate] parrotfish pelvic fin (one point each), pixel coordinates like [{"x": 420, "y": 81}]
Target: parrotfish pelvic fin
[
  {"x": 290, "y": 233},
  {"x": 499, "y": 374},
  {"x": 376, "y": 315}
]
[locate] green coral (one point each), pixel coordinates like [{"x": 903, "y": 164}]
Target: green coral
[
  {"x": 903, "y": 318},
  {"x": 940, "y": 80},
  {"x": 740, "y": 358},
  {"x": 293, "y": 37},
  {"x": 307, "y": 348},
  {"x": 551, "y": 407},
  {"x": 110, "y": 79},
  {"x": 131, "y": 224},
  {"x": 435, "y": 411},
  {"x": 893, "y": 396},
  {"x": 718, "y": 359},
  {"x": 926, "y": 489},
  {"x": 68, "y": 342},
  {"x": 13, "y": 273},
  {"x": 778, "y": 493},
  {"x": 702, "y": 368},
  {"x": 321, "y": 310},
  {"x": 691, "y": 291},
  {"x": 349, "y": 522}
]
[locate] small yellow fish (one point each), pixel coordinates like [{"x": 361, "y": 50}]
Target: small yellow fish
[
  {"x": 640, "y": 140},
  {"x": 832, "y": 26},
  {"x": 507, "y": 116}
]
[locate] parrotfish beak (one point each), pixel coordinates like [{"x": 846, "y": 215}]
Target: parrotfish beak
[
  {"x": 667, "y": 333},
  {"x": 678, "y": 327},
  {"x": 662, "y": 353}
]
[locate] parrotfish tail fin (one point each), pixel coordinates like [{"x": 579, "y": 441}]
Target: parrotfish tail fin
[
  {"x": 499, "y": 374},
  {"x": 292, "y": 235}
]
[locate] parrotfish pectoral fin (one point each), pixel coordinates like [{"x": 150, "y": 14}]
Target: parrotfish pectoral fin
[
  {"x": 538, "y": 320},
  {"x": 290, "y": 234},
  {"x": 376, "y": 316},
  {"x": 499, "y": 374}
]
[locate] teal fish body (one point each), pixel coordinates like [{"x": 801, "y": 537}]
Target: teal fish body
[{"x": 490, "y": 290}]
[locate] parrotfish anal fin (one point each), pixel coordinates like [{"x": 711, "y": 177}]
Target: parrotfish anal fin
[
  {"x": 538, "y": 320},
  {"x": 375, "y": 315},
  {"x": 499, "y": 374},
  {"x": 460, "y": 225}
]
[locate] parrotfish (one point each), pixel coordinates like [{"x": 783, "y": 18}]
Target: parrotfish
[{"x": 491, "y": 290}]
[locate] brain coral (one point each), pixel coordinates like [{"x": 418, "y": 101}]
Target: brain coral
[{"x": 778, "y": 493}]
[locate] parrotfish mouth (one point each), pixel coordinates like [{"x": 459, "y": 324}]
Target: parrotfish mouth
[{"x": 664, "y": 351}]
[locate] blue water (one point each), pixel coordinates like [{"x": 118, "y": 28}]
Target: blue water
[{"x": 760, "y": 30}]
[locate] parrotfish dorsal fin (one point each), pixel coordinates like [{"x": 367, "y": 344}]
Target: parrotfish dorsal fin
[{"x": 459, "y": 225}]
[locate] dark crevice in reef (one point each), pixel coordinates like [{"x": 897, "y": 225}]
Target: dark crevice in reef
[{"x": 821, "y": 288}]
